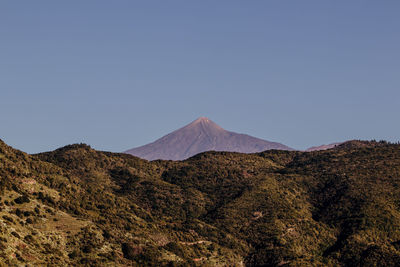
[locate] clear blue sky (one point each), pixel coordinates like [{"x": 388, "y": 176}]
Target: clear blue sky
[{"x": 119, "y": 74}]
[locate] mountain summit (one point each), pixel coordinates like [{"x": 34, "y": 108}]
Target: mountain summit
[{"x": 201, "y": 135}]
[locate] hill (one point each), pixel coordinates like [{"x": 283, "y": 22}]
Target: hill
[
  {"x": 199, "y": 136},
  {"x": 78, "y": 206}
]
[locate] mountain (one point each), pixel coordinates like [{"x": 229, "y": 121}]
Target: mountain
[
  {"x": 323, "y": 147},
  {"x": 199, "y": 136},
  {"x": 76, "y": 206}
]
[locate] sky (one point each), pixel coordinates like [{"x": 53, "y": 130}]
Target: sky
[{"x": 120, "y": 74}]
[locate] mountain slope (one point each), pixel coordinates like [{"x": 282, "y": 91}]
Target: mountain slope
[
  {"x": 199, "y": 136},
  {"x": 76, "y": 206}
]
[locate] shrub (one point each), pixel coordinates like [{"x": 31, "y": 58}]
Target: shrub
[
  {"x": 15, "y": 234},
  {"x": 130, "y": 250},
  {"x": 22, "y": 199}
]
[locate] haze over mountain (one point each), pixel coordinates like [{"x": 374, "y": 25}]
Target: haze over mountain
[{"x": 199, "y": 136}]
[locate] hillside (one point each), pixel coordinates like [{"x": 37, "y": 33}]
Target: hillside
[
  {"x": 199, "y": 136},
  {"x": 78, "y": 206}
]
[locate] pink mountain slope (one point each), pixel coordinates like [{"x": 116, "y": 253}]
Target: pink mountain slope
[{"x": 199, "y": 136}]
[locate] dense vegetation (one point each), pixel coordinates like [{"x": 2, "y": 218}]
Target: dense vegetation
[{"x": 78, "y": 206}]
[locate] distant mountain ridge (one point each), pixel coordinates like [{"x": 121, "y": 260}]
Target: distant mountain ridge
[
  {"x": 199, "y": 136},
  {"x": 323, "y": 147}
]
